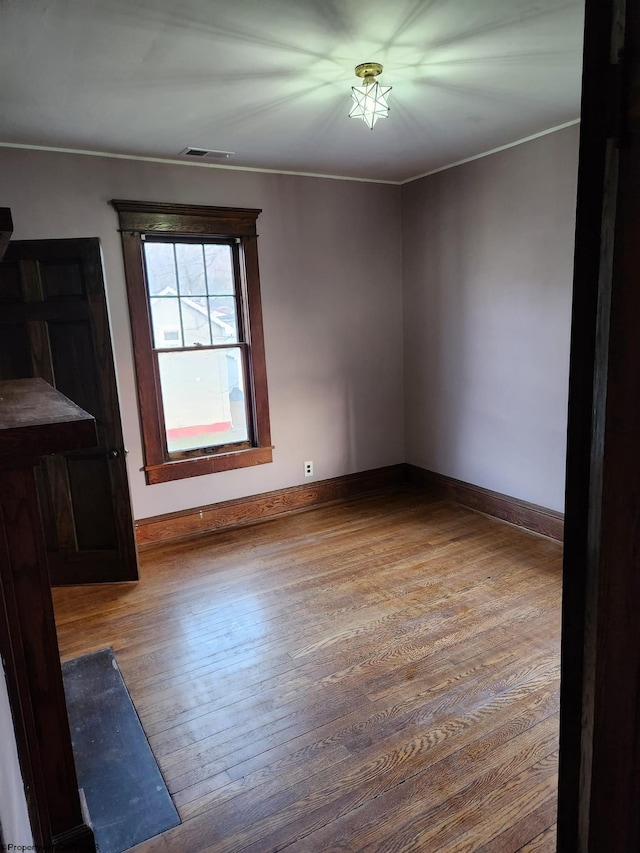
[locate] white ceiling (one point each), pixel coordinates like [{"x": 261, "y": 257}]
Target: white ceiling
[{"x": 270, "y": 79}]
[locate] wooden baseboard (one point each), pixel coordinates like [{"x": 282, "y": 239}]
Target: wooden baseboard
[
  {"x": 532, "y": 517},
  {"x": 186, "y": 524}
]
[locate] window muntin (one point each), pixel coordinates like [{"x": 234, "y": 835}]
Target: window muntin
[
  {"x": 194, "y": 299},
  {"x": 193, "y": 286}
]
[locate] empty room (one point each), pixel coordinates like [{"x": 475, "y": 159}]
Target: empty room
[{"x": 285, "y": 333}]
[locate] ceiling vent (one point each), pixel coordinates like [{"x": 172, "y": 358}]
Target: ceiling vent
[{"x": 207, "y": 154}]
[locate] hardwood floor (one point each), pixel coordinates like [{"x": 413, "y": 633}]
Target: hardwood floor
[{"x": 380, "y": 675}]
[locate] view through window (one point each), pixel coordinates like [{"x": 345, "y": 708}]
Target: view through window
[{"x": 198, "y": 337}]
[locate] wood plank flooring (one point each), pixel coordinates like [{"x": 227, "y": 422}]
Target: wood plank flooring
[{"x": 380, "y": 675}]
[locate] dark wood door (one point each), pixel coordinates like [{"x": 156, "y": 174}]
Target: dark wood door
[
  {"x": 599, "y": 772},
  {"x": 54, "y": 324}
]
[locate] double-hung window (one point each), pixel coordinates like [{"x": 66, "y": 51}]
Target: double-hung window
[{"x": 194, "y": 301}]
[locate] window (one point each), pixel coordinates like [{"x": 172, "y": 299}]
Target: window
[{"x": 196, "y": 319}]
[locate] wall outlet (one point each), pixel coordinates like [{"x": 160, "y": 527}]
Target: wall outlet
[{"x": 308, "y": 469}]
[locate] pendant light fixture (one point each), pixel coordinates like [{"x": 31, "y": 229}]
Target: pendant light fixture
[{"x": 370, "y": 102}]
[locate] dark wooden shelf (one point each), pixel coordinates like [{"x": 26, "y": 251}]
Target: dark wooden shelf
[{"x": 36, "y": 420}]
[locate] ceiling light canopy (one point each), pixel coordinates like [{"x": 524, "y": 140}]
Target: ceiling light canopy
[{"x": 370, "y": 102}]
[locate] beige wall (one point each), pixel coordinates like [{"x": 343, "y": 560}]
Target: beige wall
[
  {"x": 330, "y": 265},
  {"x": 14, "y": 818},
  {"x": 485, "y": 252},
  {"x": 487, "y": 270}
]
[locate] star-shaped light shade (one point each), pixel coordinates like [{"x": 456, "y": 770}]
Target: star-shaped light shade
[{"x": 370, "y": 103}]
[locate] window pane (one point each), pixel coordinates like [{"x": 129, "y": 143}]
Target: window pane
[
  {"x": 165, "y": 316},
  {"x": 195, "y": 321},
  {"x": 203, "y": 396},
  {"x": 190, "y": 263},
  {"x": 224, "y": 323},
  {"x": 161, "y": 268},
  {"x": 219, "y": 269}
]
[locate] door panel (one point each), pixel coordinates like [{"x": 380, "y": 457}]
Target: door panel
[
  {"x": 54, "y": 324},
  {"x": 71, "y": 344},
  {"x": 92, "y": 501},
  {"x": 15, "y": 355}
]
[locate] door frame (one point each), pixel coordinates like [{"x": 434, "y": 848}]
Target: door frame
[{"x": 599, "y": 772}]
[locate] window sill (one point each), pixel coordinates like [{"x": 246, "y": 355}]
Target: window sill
[{"x": 181, "y": 469}]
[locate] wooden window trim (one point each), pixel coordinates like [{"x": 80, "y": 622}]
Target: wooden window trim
[{"x": 137, "y": 219}]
